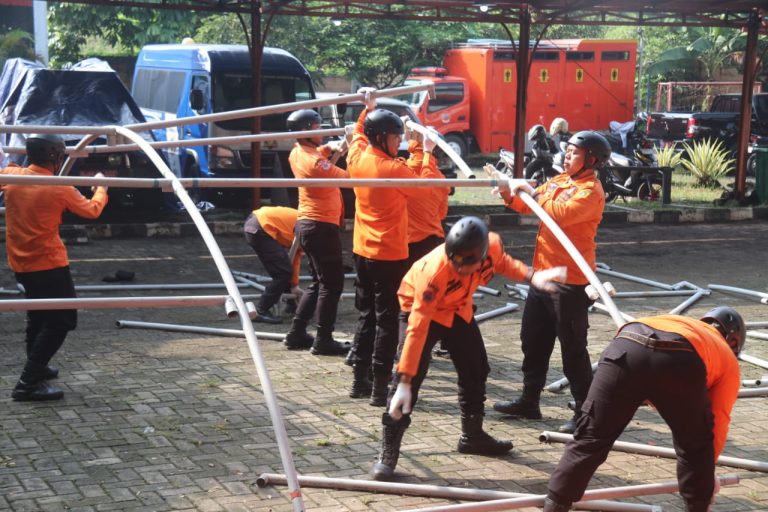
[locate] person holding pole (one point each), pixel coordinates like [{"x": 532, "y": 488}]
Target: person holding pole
[
  {"x": 436, "y": 304},
  {"x": 380, "y": 241},
  {"x": 687, "y": 369},
  {"x": 269, "y": 232},
  {"x": 39, "y": 258},
  {"x": 575, "y": 200},
  {"x": 321, "y": 212}
]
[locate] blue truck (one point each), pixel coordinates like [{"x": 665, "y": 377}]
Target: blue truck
[{"x": 187, "y": 80}]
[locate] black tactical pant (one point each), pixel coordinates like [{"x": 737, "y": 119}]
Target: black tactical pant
[
  {"x": 464, "y": 343},
  {"x": 46, "y": 330},
  {"x": 675, "y": 382},
  {"x": 275, "y": 259},
  {"x": 321, "y": 242},
  {"x": 418, "y": 250},
  {"x": 561, "y": 315},
  {"x": 375, "y": 340}
]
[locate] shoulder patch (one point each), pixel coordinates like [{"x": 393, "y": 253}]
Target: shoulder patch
[
  {"x": 584, "y": 193},
  {"x": 325, "y": 165},
  {"x": 429, "y": 294}
]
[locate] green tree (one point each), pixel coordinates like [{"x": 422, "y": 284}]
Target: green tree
[
  {"x": 70, "y": 25},
  {"x": 16, "y": 43}
]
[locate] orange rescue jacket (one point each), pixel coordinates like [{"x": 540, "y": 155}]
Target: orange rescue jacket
[
  {"x": 432, "y": 291},
  {"x": 279, "y": 222},
  {"x": 33, "y": 215},
  {"x": 381, "y": 215},
  {"x": 425, "y": 214},
  {"x": 723, "y": 377},
  {"x": 318, "y": 204},
  {"x": 577, "y": 207}
]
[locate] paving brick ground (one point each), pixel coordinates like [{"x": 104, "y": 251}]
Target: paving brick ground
[{"x": 166, "y": 421}]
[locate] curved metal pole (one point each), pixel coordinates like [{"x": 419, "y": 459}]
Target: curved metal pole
[
  {"x": 226, "y": 275},
  {"x": 70, "y": 161},
  {"x": 658, "y": 451},
  {"x": 427, "y": 132}
]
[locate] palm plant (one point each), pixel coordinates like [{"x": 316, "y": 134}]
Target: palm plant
[
  {"x": 668, "y": 157},
  {"x": 708, "y": 161}
]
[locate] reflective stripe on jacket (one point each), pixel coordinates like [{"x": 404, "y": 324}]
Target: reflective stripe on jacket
[{"x": 432, "y": 291}]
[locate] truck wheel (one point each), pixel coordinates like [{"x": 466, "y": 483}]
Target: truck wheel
[
  {"x": 752, "y": 165},
  {"x": 457, "y": 143}
]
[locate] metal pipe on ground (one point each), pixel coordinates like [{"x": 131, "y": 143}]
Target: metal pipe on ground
[
  {"x": 561, "y": 384},
  {"x": 608, "y": 493},
  {"x": 758, "y": 335},
  {"x": 658, "y": 451},
  {"x": 741, "y": 291},
  {"x": 497, "y": 312},
  {"x": 689, "y": 302},
  {"x": 753, "y": 392},
  {"x": 149, "y": 286},
  {"x": 434, "y": 491},
  {"x": 756, "y": 325},
  {"x": 489, "y": 291},
  {"x": 189, "y": 301},
  {"x": 227, "y": 333},
  {"x": 658, "y": 293},
  {"x": 636, "y": 279},
  {"x": 755, "y": 382},
  {"x": 249, "y": 282},
  {"x": 753, "y": 360},
  {"x": 266, "y": 279}
]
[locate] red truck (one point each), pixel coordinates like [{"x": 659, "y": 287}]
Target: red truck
[{"x": 587, "y": 82}]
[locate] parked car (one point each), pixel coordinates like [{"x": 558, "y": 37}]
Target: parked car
[{"x": 721, "y": 122}]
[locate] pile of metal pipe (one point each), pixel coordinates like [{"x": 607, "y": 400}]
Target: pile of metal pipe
[
  {"x": 658, "y": 451},
  {"x": 438, "y": 491}
]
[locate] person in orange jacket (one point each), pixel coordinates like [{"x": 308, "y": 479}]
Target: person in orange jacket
[
  {"x": 436, "y": 304},
  {"x": 269, "y": 232},
  {"x": 321, "y": 212},
  {"x": 380, "y": 242},
  {"x": 575, "y": 200},
  {"x": 688, "y": 370},
  {"x": 39, "y": 258}
]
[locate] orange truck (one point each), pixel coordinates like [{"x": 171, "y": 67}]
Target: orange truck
[{"x": 587, "y": 82}]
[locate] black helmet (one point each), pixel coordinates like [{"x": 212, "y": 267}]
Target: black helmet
[
  {"x": 593, "y": 143},
  {"x": 536, "y": 131},
  {"x": 45, "y": 148},
  {"x": 382, "y": 122},
  {"x": 467, "y": 241},
  {"x": 301, "y": 120},
  {"x": 730, "y": 324}
]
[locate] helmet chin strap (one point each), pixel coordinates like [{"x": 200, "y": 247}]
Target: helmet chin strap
[{"x": 577, "y": 174}]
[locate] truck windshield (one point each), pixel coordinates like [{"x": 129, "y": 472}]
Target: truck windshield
[
  {"x": 232, "y": 91},
  {"x": 416, "y": 98}
]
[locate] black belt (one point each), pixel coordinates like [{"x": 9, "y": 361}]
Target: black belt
[{"x": 654, "y": 343}]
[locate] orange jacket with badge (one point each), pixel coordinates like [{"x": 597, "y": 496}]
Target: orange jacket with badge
[
  {"x": 723, "y": 377},
  {"x": 279, "y": 222},
  {"x": 33, "y": 215},
  {"x": 577, "y": 207},
  {"x": 425, "y": 215},
  {"x": 318, "y": 204},
  {"x": 432, "y": 291},
  {"x": 381, "y": 215}
]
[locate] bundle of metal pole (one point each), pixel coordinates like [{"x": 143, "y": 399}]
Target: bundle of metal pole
[
  {"x": 658, "y": 451},
  {"x": 234, "y": 295},
  {"x": 608, "y": 493},
  {"x": 188, "y": 301},
  {"x": 742, "y": 291},
  {"x": 227, "y": 333},
  {"x": 497, "y": 312},
  {"x": 743, "y": 356},
  {"x": 435, "y": 491}
]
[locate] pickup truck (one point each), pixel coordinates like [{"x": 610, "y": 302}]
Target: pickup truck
[{"x": 720, "y": 123}]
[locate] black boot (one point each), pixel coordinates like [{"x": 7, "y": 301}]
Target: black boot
[
  {"x": 297, "y": 337},
  {"x": 570, "y": 426},
  {"x": 475, "y": 440},
  {"x": 697, "y": 506},
  {"x": 361, "y": 383},
  {"x": 32, "y": 386},
  {"x": 51, "y": 372},
  {"x": 392, "y": 437},
  {"x": 552, "y": 506},
  {"x": 527, "y": 406},
  {"x": 325, "y": 345},
  {"x": 380, "y": 389}
]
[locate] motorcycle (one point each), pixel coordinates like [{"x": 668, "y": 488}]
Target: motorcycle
[{"x": 543, "y": 162}]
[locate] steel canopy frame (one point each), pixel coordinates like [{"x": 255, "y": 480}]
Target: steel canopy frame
[{"x": 741, "y": 14}]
